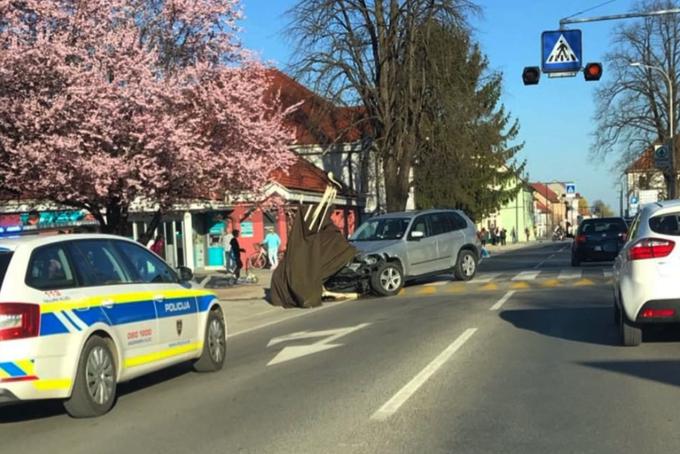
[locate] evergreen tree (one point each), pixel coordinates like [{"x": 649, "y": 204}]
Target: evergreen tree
[{"x": 468, "y": 159}]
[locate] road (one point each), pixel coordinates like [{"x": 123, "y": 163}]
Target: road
[{"x": 526, "y": 360}]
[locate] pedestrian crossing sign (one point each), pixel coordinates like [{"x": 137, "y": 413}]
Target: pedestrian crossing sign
[{"x": 561, "y": 51}]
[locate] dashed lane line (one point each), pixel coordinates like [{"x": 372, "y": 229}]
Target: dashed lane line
[
  {"x": 502, "y": 301},
  {"x": 526, "y": 276},
  {"x": 392, "y": 406}
]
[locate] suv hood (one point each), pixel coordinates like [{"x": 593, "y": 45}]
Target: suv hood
[{"x": 368, "y": 247}]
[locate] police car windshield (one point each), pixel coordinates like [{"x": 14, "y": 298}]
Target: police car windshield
[{"x": 5, "y": 257}]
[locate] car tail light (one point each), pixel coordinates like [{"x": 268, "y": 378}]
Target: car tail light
[
  {"x": 650, "y": 248},
  {"x": 657, "y": 313},
  {"x": 19, "y": 321},
  {"x": 581, "y": 239}
]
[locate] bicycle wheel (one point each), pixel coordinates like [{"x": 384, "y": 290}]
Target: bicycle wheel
[{"x": 258, "y": 261}]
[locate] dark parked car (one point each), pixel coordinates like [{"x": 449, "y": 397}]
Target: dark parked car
[{"x": 598, "y": 240}]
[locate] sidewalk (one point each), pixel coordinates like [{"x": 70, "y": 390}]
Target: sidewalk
[{"x": 509, "y": 247}]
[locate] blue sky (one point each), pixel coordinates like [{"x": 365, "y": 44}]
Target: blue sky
[{"x": 556, "y": 116}]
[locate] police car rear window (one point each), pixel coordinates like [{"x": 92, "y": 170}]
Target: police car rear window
[
  {"x": 667, "y": 224},
  {"x": 5, "y": 257}
]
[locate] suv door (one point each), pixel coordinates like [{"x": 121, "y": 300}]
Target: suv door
[
  {"x": 174, "y": 303},
  {"x": 107, "y": 284},
  {"x": 450, "y": 238},
  {"x": 421, "y": 252}
]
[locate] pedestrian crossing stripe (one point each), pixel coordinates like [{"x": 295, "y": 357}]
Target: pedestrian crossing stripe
[{"x": 561, "y": 53}]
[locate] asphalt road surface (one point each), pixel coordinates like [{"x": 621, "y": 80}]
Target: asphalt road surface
[{"x": 524, "y": 360}]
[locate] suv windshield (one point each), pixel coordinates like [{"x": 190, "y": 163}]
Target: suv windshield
[
  {"x": 5, "y": 257},
  {"x": 381, "y": 229}
]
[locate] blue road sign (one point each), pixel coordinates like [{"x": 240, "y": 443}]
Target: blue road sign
[
  {"x": 561, "y": 51},
  {"x": 571, "y": 188},
  {"x": 633, "y": 199}
]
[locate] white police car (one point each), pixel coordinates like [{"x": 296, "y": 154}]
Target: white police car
[{"x": 81, "y": 313}]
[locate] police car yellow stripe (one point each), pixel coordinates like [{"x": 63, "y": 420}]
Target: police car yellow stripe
[
  {"x": 52, "y": 384},
  {"x": 162, "y": 354},
  {"x": 123, "y": 298},
  {"x": 26, "y": 365}
]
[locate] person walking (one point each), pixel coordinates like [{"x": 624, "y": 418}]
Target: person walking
[
  {"x": 513, "y": 235},
  {"x": 504, "y": 236},
  {"x": 236, "y": 251},
  {"x": 526, "y": 232},
  {"x": 226, "y": 245},
  {"x": 273, "y": 242}
]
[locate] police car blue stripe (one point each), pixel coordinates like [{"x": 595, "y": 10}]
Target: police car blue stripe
[
  {"x": 68, "y": 317},
  {"x": 123, "y": 313},
  {"x": 49, "y": 324},
  {"x": 176, "y": 306},
  {"x": 12, "y": 370}
]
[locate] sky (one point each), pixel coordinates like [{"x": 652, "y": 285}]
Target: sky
[{"x": 556, "y": 116}]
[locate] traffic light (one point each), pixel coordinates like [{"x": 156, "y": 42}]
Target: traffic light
[
  {"x": 531, "y": 75},
  {"x": 592, "y": 71}
]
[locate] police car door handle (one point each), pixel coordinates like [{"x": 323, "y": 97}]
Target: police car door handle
[{"x": 107, "y": 304}]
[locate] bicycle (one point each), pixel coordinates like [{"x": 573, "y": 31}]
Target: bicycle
[{"x": 259, "y": 259}]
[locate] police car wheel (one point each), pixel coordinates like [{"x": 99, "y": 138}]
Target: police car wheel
[
  {"x": 94, "y": 390},
  {"x": 214, "y": 344}
]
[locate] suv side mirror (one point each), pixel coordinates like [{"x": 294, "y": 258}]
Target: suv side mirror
[
  {"x": 185, "y": 274},
  {"x": 416, "y": 235}
]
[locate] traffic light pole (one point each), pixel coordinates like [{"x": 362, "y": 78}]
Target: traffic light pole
[{"x": 663, "y": 12}]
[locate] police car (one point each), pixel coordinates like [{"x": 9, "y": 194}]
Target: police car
[{"x": 81, "y": 313}]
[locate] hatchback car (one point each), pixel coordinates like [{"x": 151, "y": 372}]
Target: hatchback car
[
  {"x": 408, "y": 245},
  {"x": 598, "y": 240},
  {"x": 81, "y": 313},
  {"x": 646, "y": 272}
]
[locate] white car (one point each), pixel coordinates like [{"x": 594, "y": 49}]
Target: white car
[
  {"x": 81, "y": 313},
  {"x": 647, "y": 270}
]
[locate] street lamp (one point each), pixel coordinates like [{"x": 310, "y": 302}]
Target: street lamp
[{"x": 671, "y": 123}]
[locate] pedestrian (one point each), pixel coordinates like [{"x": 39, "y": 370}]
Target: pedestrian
[
  {"x": 272, "y": 241},
  {"x": 482, "y": 236},
  {"x": 513, "y": 235},
  {"x": 158, "y": 246},
  {"x": 226, "y": 245},
  {"x": 526, "y": 232},
  {"x": 504, "y": 235},
  {"x": 236, "y": 251}
]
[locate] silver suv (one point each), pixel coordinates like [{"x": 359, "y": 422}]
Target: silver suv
[{"x": 413, "y": 244}]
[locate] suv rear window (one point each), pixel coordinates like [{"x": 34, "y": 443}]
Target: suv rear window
[
  {"x": 5, "y": 257},
  {"x": 667, "y": 224}
]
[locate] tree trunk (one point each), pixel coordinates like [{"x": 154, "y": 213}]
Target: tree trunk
[{"x": 396, "y": 186}]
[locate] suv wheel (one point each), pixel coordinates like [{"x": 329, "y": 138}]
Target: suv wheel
[
  {"x": 388, "y": 279},
  {"x": 466, "y": 266},
  {"x": 94, "y": 390}
]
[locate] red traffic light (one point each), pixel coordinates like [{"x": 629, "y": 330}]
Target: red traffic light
[
  {"x": 592, "y": 71},
  {"x": 531, "y": 75}
]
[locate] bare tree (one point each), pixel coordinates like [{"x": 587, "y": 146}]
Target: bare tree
[
  {"x": 632, "y": 107},
  {"x": 364, "y": 52}
]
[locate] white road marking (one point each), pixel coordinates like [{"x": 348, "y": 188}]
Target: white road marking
[
  {"x": 391, "y": 406},
  {"x": 502, "y": 301},
  {"x": 526, "y": 276},
  {"x": 570, "y": 274},
  {"x": 299, "y": 351},
  {"x": 538, "y": 265},
  {"x": 483, "y": 278}
]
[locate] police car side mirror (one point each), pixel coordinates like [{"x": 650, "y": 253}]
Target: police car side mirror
[{"x": 185, "y": 274}]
